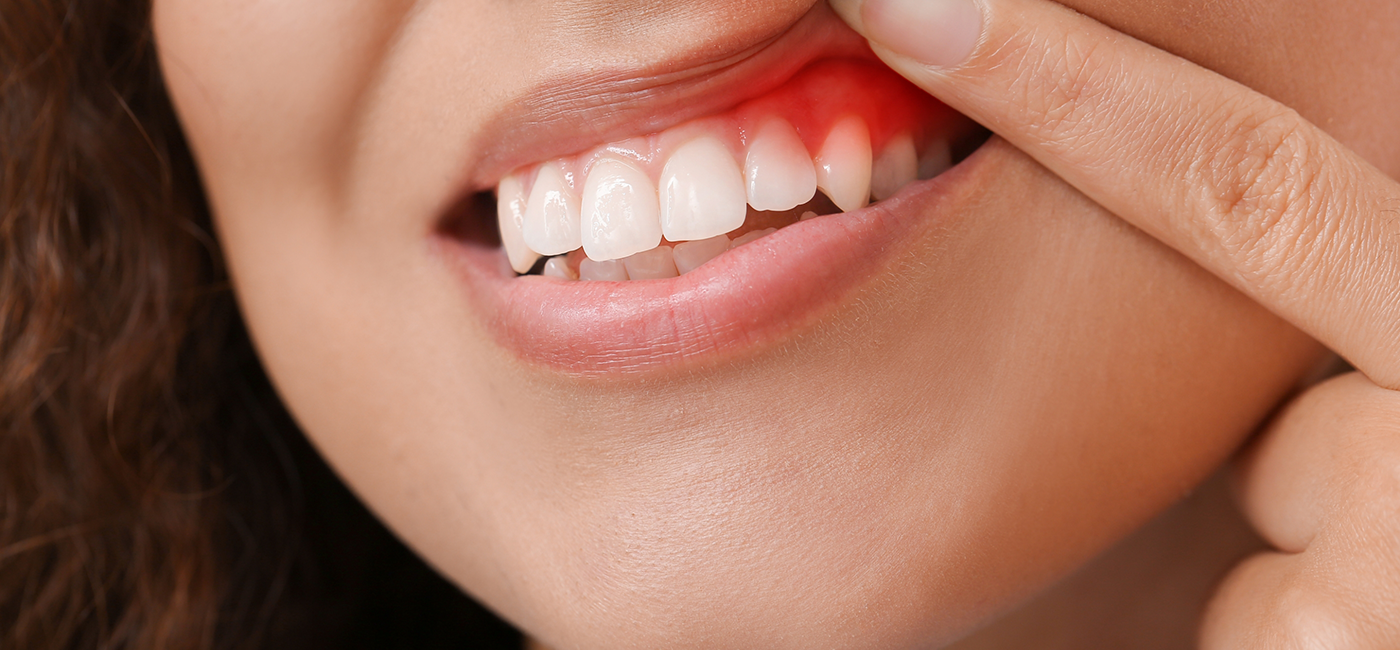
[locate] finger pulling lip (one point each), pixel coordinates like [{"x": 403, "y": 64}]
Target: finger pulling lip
[{"x": 750, "y": 297}]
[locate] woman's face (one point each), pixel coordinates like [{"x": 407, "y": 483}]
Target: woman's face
[{"x": 871, "y": 429}]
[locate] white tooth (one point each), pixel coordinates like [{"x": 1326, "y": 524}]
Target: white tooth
[
  {"x": 510, "y": 217},
  {"x": 897, "y": 166},
  {"x": 702, "y": 192},
  {"x": 937, "y": 159},
  {"x": 690, "y": 255},
  {"x": 808, "y": 215},
  {"x": 655, "y": 264},
  {"x": 752, "y": 236},
  {"x": 610, "y": 270},
  {"x": 558, "y": 267},
  {"x": 778, "y": 169},
  {"x": 619, "y": 211},
  {"x": 843, "y": 165},
  {"x": 552, "y": 218}
]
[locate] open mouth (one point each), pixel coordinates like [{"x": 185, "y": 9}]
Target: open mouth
[
  {"x": 716, "y": 233},
  {"x": 837, "y": 135}
]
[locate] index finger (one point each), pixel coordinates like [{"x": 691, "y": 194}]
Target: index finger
[{"x": 1236, "y": 181}]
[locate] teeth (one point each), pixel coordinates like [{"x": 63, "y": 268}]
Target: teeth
[
  {"x": 752, "y": 236},
  {"x": 778, "y": 169},
  {"x": 843, "y": 166},
  {"x": 702, "y": 192},
  {"x": 552, "y": 219},
  {"x": 610, "y": 270},
  {"x": 690, "y": 255},
  {"x": 655, "y": 264},
  {"x": 611, "y": 223},
  {"x": 619, "y": 211},
  {"x": 558, "y": 267},
  {"x": 936, "y": 160},
  {"x": 897, "y": 166},
  {"x": 510, "y": 217}
]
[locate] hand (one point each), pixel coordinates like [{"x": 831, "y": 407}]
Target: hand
[{"x": 1265, "y": 200}]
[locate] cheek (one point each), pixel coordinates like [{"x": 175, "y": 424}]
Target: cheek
[
  {"x": 1013, "y": 398},
  {"x": 1009, "y": 402},
  {"x": 266, "y": 90},
  {"x": 1338, "y": 64}
]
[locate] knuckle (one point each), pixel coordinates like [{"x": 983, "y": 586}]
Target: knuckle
[{"x": 1264, "y": 184}]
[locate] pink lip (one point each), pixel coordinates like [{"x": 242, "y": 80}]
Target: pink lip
[{"x": 747, "y": 298}]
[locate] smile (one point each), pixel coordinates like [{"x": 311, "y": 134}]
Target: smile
[{"x": 718, "y": 233}]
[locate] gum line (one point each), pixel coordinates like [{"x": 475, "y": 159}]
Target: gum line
[{"x": 844, "y": 111}]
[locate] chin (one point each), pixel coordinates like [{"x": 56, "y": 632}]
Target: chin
[{"x": 750, "y": 344}]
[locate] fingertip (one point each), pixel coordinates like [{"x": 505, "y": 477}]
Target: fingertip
[
  {"x": 936, "y": 33},
  {"x": 849, "y": 11}
]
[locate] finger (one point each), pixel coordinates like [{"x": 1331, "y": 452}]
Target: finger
[
  {"x": 1234, "y": 180},
  {"x": 1322, "y": 484},
  {"x": 1330, "y": 458},
  {"x": 1275, "y": 601}
]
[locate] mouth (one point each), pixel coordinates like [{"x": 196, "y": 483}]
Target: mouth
[{"x": 715, "y": 225}]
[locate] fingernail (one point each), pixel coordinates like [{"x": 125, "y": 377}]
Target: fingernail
[{"x": 939, "y": 33}]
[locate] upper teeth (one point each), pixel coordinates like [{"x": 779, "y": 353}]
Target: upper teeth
[
  {"x": 779, "y": 169},
  {"x": 618, "y": 203},
  {"x": 702, "y": 191},
  {"x": 843, "y": 165},
  {"x": 552, "y": 217},
  {"x": 619, "y": 211}
]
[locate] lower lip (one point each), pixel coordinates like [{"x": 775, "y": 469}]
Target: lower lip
[{"x": 748, "y": 298}]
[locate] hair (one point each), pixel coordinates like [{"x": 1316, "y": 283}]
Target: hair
[{"x": 154, "y": 493}]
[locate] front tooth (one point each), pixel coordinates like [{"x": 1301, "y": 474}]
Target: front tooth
[
  {"x": 843, "y": 166},
  {"x": 619, "y": 211},
  {"x": 609, "y": 270},
  {"x": 937, "y": 158},
  {"x": 552, "y": 218},
  {"x": 702, "y": 192},
  {"x": 655, "y": 264},
  {"x": 778, "y": 169},
  {"x": 690, "y": 255},
  {"x": 897, "y": 166},
  {"x": 510, "y": 217}
]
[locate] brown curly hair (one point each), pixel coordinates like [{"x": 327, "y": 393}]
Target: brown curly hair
[{"x": 153, "y": 491}]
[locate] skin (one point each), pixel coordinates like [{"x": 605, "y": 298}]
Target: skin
[
  {"x": 1032, "y": 379},
  {"x": 1269, "y": 202}
]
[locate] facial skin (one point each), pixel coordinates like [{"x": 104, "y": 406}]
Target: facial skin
[{"x": 1029, "y": 380}]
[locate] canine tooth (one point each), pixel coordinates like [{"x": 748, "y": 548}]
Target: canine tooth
[
  {"x": 690, "y": 255},
  {"x": 655, "y": 264},
  {"x": 552, "y": 218},
  {"x": 752, "y": 236},
  {"x": 510, "y": 217},
  {"x": 897, "y": 166},
  {"x": 937, "y": 158},
  {"x": 778, "y": 170},
  {"x": 609, "y": 270},
  {"x": 702, "y": 192},
  {"x": 843, "y": 166},
  {"x": 619, "y": 211},
  {"x": 558, "y": 267}
]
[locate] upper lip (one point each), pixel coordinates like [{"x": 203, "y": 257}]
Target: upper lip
[{"x": 577, "y": 109}]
